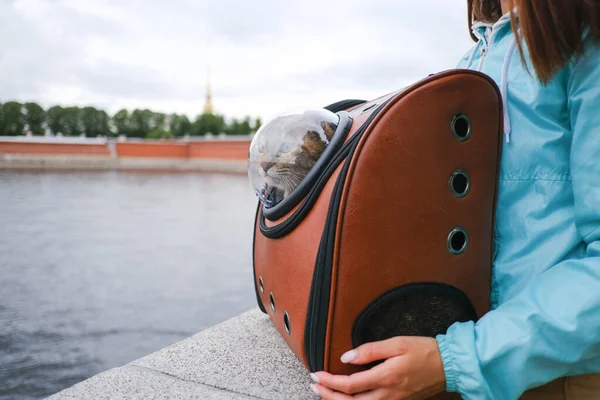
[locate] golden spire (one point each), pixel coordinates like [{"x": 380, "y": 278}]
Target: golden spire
[{"x": 208, "y": 106}]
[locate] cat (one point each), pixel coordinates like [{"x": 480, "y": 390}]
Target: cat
[{"x": 288, "y": 148}]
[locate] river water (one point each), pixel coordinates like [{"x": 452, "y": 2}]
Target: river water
[{"x": 100, "y": 268}]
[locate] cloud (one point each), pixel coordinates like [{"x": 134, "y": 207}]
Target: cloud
[{"x": 264, "y": 55}]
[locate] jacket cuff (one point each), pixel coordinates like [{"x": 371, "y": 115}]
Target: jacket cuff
[{"x": 448, "y": 362}]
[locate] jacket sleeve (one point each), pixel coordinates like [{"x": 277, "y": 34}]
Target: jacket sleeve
[{"x": 552, "y": 329}]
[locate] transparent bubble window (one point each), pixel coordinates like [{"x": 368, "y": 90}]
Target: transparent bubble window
[{"x": 285, "y": 149}]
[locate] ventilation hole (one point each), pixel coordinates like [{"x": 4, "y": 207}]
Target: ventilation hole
[
  {"x": 272, "y": 300},
  {"x": 458, "y": 241},
  {"x": 261, "y": 285},
  {"x": 461, "y": 127},
  {"x": 460, "y": 183},
  {"x": 286, "y": 323}
]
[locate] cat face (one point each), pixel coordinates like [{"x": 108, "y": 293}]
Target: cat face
[{"x": 288, "y": 149}]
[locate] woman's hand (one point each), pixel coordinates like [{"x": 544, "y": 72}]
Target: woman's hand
[{"x": 413, "y": 370}]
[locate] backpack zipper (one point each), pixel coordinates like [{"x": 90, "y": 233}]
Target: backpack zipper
[{"x": 318, "y": 302}]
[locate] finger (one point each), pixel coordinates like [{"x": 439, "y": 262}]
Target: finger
[
  {"x": 328, "y": 394},
  {"x": 350, "y": 384},
  {"x": 377, "y": 394},
  {"x": 375, "y": 351}
]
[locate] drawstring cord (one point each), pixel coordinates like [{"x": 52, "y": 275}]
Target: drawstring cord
[{"x": 504, "y": 89}]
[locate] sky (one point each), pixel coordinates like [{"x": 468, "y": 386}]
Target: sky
[{"x": 262, "y": 56}]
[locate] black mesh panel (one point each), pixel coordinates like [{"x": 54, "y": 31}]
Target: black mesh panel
[{"x": 414, "y": 310}]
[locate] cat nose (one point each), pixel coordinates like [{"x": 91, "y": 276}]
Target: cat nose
[{"x": 266, "y": 166}]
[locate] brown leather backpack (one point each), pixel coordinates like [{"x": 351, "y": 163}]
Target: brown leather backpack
[{"x": 392, "y": 234}]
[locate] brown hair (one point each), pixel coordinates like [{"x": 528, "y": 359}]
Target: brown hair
[{"x": 553, "y": 29}]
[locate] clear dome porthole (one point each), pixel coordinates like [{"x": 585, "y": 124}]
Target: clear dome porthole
[{"x": 285, "y": 149}]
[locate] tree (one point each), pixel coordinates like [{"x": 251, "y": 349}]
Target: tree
[
  {"x": 35, "y": 118},
  {"x": 55, "y": 119},
  {"x": 88, "y": 121},
  {"x": 257, "y": 124},
  {"x": 232, "y": 127},
  {"x": 121, "y": 123},
  {"x": 104, "y": 123},
  {"x": 158, "y": 121},
  {"x": 13, "y": 118},
  {"x": 245, "y": 128},
  {"x": 239, "y": 127},
  {"x": 180, "y": 125},
  {"x": 208, "y": 123},
  {"x": 159, "y": 134},
  {"x": 72, "y": 121},
  {"x": 94, "y": 122},
  {"x": 1, "y": 121},
  {"x": 140, "y": 123}
]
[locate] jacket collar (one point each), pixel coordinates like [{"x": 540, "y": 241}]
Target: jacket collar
[
  {"x": 486, "y": 33},
  {"x": 483, "y": 30}
]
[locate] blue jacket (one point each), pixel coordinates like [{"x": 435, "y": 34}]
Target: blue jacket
[{"x": 545, "y": 318}]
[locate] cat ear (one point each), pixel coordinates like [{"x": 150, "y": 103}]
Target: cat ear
[
  {"x": 329, "y": 129},
  {"x": 312, "y": 135}
]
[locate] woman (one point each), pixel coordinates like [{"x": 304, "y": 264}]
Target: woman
[{"x": 545, "y": 322}]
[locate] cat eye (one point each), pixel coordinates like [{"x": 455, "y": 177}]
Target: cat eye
[{"x": 286, "y": 147}]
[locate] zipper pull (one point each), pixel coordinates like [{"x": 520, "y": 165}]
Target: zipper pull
[{"x": 484, "y": 50}]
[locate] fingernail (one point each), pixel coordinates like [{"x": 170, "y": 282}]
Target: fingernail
[
  {"x": 349, "y": 356},
  {"x": 315, "y": 390},
  {"x": 315, "y": 378}
]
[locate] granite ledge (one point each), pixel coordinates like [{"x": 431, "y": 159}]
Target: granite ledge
[{"x": 242, "y": 358}]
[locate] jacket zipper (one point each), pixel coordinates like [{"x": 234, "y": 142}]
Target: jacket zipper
[
  {"x": 488, "y": 42},
  {"x": 483, "y": 56},
  {"x": 484, "y": 49}
]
